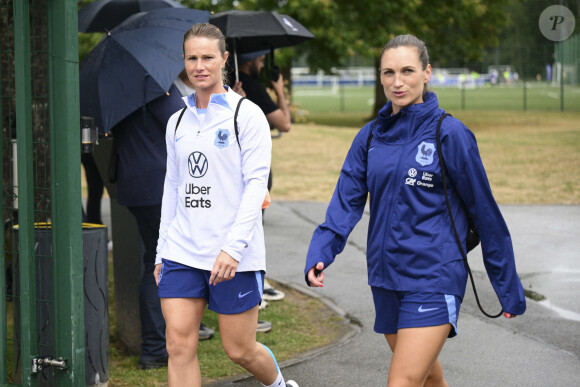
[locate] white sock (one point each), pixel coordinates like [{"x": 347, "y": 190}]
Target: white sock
[{"x": 279, "y": 381}]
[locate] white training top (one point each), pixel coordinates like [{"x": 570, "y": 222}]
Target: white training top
[{"x": 214, "y": 191}]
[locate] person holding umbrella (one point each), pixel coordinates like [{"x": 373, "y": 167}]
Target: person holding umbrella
[
  {"x": 277, "y": 113},
  {"x": 415, "y": 265},
  {"x": 211, "y": 249},
  {"x": 250, "y": 67}
]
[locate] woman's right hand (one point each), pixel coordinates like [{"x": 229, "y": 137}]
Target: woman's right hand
[
  {"x": 316, "y": 275},
  {"x": 156, "y": 273}
]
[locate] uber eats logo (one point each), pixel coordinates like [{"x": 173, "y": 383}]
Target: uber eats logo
[{"x": 196, "y": 196}]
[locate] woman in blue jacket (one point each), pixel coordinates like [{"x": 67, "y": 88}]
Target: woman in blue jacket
[{"x": 415, "y": 267}]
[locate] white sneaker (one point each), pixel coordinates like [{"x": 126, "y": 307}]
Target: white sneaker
[
  {"x": 263, "y": 304},
  {"x": 271, "y": 294},
  {"x": 291, "y": 383}
]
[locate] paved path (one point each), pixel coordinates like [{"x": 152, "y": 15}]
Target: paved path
[{"x": 541, "y": 348}]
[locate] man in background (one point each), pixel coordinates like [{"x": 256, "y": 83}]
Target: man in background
[{"x": 277, "y": 113}]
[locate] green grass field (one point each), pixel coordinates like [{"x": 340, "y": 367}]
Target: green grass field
[{"x": 536, "y": 97}]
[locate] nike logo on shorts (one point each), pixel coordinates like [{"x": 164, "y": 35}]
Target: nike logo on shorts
[
  {"x": 240, "y": 295},
  {"x": 421, "y": 310}
]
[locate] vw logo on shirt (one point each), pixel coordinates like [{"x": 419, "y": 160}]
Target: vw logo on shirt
[{"x": 198, "y": 164}]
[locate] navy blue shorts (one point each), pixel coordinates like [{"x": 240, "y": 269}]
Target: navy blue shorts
[
  {"x": 241, "y": 293},
  {"x": 397, "y": 310}
]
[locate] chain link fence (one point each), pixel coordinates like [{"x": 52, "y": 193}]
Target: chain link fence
[{"x": 545, "y": 77}]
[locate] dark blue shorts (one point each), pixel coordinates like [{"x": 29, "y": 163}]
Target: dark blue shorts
[
  {"x": 396, "y": 310},
  {"x": 241, "y": 293}
]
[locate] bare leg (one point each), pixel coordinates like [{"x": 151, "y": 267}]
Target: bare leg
[
  {"x": 182, "y": 319},
  {"x": 238, "y": 332},
  {"x": 415, "y": 356}
]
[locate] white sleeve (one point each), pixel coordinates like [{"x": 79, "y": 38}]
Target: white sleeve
[
  {"x": 169, "y": 201},
  {"x": 256, "y": 147}
]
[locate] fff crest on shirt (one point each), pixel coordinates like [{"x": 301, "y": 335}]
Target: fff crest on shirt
[
  {"x": 222, "y": 138},
  {"x": 425, "y": 153}
]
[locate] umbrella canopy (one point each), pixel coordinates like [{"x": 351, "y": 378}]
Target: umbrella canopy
[
  {"x": 134, "y": 64},
  {"x": 248, "y": 31},
  {"x": 104, "y": 15}
]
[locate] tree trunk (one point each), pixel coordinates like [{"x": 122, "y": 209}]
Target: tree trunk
[{"x": 380, "y": 99}]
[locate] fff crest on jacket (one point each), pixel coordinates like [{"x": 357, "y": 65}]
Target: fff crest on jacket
[
  {"x": 425, "y": 153},
  {"x": 222, "y": 138},
  {"x": 198, "y": 164}
]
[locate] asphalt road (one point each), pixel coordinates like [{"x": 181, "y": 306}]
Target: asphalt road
[{"x": 540, "y": 348}]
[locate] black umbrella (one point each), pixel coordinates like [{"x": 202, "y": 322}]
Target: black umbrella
[
  {"x": 104, "y": 15},
  {"x": 248, "y": 31},
  {"x": 134, "y": 64},
  {"x": 259, "y": 30}
]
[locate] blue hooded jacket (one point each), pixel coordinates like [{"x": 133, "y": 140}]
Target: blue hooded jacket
[{"x": 410, "y": 244}]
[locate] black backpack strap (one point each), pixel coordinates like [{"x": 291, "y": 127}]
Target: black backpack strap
[
  {"x": 236, "y": 122},
  {"x": 457, "y": 238},
  {"x": 179, "y": 119}
]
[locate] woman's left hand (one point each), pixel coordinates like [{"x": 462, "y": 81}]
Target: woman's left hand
[{"x": 224, "y": 268}]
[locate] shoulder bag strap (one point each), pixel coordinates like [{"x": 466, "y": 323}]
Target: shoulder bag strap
[{"x": 457, "y": 238}]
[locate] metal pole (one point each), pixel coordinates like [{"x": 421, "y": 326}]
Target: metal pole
[
  {"x": 65, "y": 149},
  {"x": 26, "y": 256},
  {"x": 524, "y": 73},
  {"x": 525, "y": 96},
  {"x": 236, "y": 63},
  {"x": 561, "y": 44},
  {"x": 462, "y": 95},
  {"x": 341, "y": 91},
  {"x": 3, "y": 278}
]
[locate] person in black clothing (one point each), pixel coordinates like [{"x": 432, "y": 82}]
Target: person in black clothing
[
  {"x": 277, "y": 114},
  {"x": 95, "y": 189},
  {"x": 249, "y": 86},
  {"x": 141, "y": 158},
  {"x": 250, "y": 66}
]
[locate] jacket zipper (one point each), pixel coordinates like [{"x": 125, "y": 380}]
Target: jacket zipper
[{"x": 392, "y": 202}]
